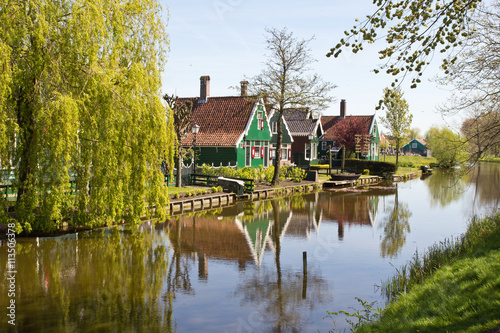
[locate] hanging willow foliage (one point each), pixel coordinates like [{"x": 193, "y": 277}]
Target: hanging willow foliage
[{"x": 80, "y": 100}]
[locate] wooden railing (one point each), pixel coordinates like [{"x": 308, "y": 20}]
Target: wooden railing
[{"x": 207, "y": 180}]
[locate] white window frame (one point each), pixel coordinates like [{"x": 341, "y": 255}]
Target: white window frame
[
  {"x": 414, "y": 145},
  {"x": 260, "y": 115},
  {"x": 307, "y": 151},
  {"x": 324, "y": 145},
  {"x": 274, "y": 128}
]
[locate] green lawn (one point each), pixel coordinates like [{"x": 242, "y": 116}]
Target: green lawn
[
  {"x": 461, "y": 296},
  {"x": 416, "y": 160}
]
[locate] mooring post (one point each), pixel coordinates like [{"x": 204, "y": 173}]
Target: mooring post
[
  {"x": 304, "y": 278},
  {"x": 304, "y": 263}
]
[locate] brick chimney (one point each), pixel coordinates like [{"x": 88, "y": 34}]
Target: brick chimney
[
  {"x": 342, "y": 108},
  {"x": 204, "y": 88},
  {"x": 244, "y": 88}
]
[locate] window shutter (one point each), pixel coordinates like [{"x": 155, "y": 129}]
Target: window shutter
[{"x": 253, "y": 152}]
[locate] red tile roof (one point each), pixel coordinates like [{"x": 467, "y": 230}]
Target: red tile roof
[
  {"x": 328, "y": 122},
  {"x": 222, "y": 120}
]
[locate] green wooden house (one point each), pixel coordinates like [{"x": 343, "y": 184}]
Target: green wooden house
[
  {"x": 416, "y": 146},
  {"x": 370, "y": 144},
  {"x": 233, "y": 130}
]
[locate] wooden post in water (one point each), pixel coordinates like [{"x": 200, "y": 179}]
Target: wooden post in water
[
  {"x": 304, "y": 278},
  {"x": 304, "y": 263}
]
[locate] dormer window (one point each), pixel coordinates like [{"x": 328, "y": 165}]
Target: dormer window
[{"x": 260, "y": 114}]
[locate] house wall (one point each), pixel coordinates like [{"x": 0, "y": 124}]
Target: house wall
[
  {"x": 298, "y": 151},
  {"x": 217, "y": 155}
]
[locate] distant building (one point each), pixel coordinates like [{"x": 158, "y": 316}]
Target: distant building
[{"x": 418, "y": 147}]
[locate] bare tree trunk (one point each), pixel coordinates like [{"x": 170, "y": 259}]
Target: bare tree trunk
[
  {"x": 178, "y": 181},
  {"x": 277, "y": 160}
]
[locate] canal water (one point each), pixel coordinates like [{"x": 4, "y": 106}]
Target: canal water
[{"x": 241, "y": 269}]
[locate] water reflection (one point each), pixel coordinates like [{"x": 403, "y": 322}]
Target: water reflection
[
  {"x": 103, "y": 280},
  {"x": 446, "y": 186},
  {"x": 239, "y": 268},
  {"x": 396, "y": 225}
]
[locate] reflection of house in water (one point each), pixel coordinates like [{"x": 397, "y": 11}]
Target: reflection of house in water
[
  {"x": 350, "y": 208},
  {"x": 209, "y": 237},
  {"x": 306, "y": 216},
  {"x": 242, "y": 238}
]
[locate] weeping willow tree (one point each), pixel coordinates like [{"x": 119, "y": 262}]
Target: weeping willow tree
[{"x": 80, "y": 101}]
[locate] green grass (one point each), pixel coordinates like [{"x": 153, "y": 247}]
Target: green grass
[
  {"x": 455, "y": 287},
  {"x": 416, "y": 160},
  {"x": 491, "y": 159},
  {"x": 180, "y": 190}
]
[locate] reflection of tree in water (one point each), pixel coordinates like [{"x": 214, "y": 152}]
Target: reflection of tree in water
[
  {"x": 107, "y": 280},
  {"x": 446, "y": 186},
  {"x": 278, "y": 301},
  {"x": 486, "y": 179},
  {"x": 395, "y": 228},
  {"x": 279, "y": 298}
]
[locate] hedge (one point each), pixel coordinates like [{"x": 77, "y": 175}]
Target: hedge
[{"x": 376, "y": 167}]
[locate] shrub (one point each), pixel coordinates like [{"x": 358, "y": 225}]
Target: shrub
[
  {"x": 213, "y": 189},
  {"x": 284, "y": 172},
  {"x": 219, "y": 189},
  {"x": 176, "y": 195},
  {"x": 269, "y": 173},
  {"x": 366, "y": 172},
  {"x": 296, "y": 174},
  {"x": 375, "y": 167},
  {"x": 247, "y": 172}
]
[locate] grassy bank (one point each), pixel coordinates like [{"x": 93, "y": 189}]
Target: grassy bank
[
  {"x": 491, "y": 159},
  {"x": 454, "y": 287}
]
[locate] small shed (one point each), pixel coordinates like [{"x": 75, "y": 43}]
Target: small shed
[{"x": 418, "y": 147}]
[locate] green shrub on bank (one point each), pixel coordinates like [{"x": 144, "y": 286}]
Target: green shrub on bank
[
  {"x": 376, "y": 167},
  {"x": 297, "y": 174}
]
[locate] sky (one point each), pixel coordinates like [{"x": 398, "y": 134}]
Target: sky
[{"x": 225, "y": 39}]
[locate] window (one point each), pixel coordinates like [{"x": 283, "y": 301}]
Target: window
[
  {"x": 284, "y": 152},
  {"x": 414, "y": 145},
  {"x": 274, "y": 128},
  {"x": 260, "y": 114},
  {"x": 307, "y": 151},
  {"x": 324, "y": 145},
  {"x": 248, "y": 154}
]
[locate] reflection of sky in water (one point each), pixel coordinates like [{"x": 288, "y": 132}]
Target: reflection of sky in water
[{"x": 241, "y": 268}]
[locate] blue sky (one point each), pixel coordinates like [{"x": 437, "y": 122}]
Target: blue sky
[{"x": 225, "y": 39}]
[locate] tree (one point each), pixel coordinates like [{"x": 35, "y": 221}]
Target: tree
[
  {"x": 181, "y": 112},
  {"x": 477, "y": 85},
  {"x": 80, "y": 101},
  {"x": 414, "y": 30},
  {"x": 285, "y": 81},
  {"x": 397, "y": 116},
  {"x": 447, "y": 147},
  {"x": 345, "y": 131}
]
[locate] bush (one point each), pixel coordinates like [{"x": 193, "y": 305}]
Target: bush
[
  {"x": 213, "y": 189},
  {"x": 220, "y": 189},
  {"x": 176, "y": 195},
  {"x": 366, "y": 172},
  {"x": 296, "y": 174},
  {"x": 283, "y": 172},
  {"x": 376, "y": 167}
]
